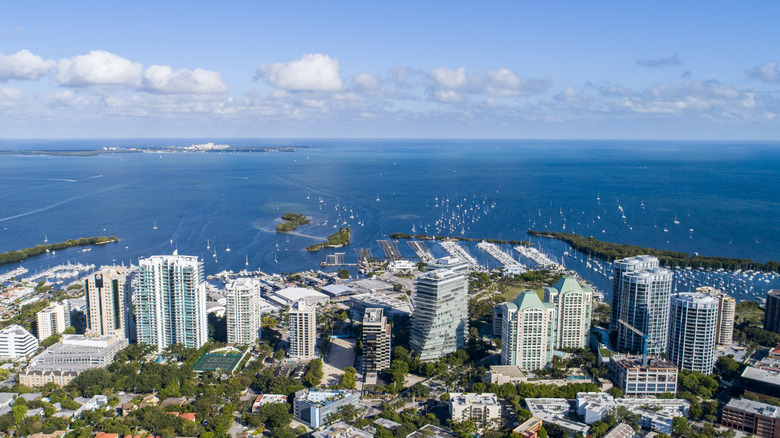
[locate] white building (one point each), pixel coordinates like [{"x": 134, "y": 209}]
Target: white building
[
  {"x": 643, "y": 303},
  {"x": 170, "y": 302},
  {"x": 243, "y": 310},
  {"x": 51, "y": 320},
  {"x": 654, "y": 414},
  {"x": 16, "y": 342},
  {"x": 107, "y": 310},
  {"x": 480, "y": 408},
  {"x": 303, "y": 330},
  {"x": 573, "y": 304},
  {"x": 440, "y": 319},
  {"x": 692, "y": 331},
  {"x": 528, "y": 332}
]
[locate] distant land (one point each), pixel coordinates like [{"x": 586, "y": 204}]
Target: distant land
[{"x": 209, "y": 147}]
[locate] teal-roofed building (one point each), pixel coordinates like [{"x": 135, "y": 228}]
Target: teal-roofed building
[
  {"x": 528, "y": 332},
  {"x": 574, "y": 304}
]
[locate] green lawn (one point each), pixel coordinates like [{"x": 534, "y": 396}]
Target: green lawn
[{"x": 512, "y": 292}]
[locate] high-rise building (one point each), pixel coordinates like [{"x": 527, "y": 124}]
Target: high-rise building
[
  {"x": 51, "y": 320},
  {"x": 107, "y": 310},
  {"x": 376, "y": 341},
  {"x": 693, "y": 324},
  {"x": 16, "y": 342},
  {"x": 529, "y": 332},
  {"x": 440, "y": 320},
  {"x": 623, "y": 266},
  {"x": 772, "y": 311},
  {"x": 170, "y": 301},
  {"x": 243, "y": 310},
  {"x": 303, "y": 330},
  {"x": 727, "y": 309},
  {"x": 643, "y": 296},
  {"x": 573, "y": 304}
]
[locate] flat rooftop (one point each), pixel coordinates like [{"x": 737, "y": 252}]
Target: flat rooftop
[{"x": 754, "y": 407}]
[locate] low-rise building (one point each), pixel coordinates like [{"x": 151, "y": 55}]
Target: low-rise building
[
  {"x": 763, "y": 378},
  {"x": 622, "y": 430},
  {"x": 342, "y": 430},
  {"x": 530, "y": 428},
  {"x": 480, "y": 408},
  {"x": 95, "y": 402},
  {"x": 314, "y": 407},
  {"x": 634, "y": 379},
  {"x": 264, "y": 399},
  {"x": 396, "y": 310},
  {"x": 501, "y": 374},
  {"x": 752, "y": 418},
  {"x": 290, "y": 295},
  {"x": 65, "y": 360},
  {"x": 431, "y": 431},
  {"x": 654, "y": 414},
  {"x": 556, "y": 411},
  {"x": 17, "y": 343}
]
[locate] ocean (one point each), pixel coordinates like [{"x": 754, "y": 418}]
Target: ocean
[{"x": 710, "y": 198}]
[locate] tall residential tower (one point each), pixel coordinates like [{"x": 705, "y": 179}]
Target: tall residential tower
[
  {"x": 376, "y": 341},
  {"x": 440, "y": 320},
  {"x": 573, "y": 304},
  {"x": 107, "y": 310},
  {"x": 303, "y": 330},
  {"x": 529, "y": 332},
  {"x": 170, "y": 302},
  {"x": 243, "y": 310},
  {"x": 692, "y": 331}
]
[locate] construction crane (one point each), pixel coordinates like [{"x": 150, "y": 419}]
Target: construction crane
[{"x": 645, "y": 340}]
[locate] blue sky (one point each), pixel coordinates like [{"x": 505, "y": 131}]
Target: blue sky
[{"x": 610, "y": 69}]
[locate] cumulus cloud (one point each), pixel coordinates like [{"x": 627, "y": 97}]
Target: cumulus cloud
[
  {"x": 660, "y": 62},
  {"x": 767, "y": 72},
  {"x": 98, "y": 67},
  {"x": 709, "y": 98},
  {"x": 448, "y": 84},
  {"x": 312, "y": 72},
  {"x": 162, "y": 79},
  {"x": 367, "y": 81},
  {"x": 23, "y": 65}
]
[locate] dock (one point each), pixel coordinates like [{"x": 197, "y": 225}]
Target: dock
[
  {"x": 390, "y": 249},
  {"x": 506, "y": 260},
  {"x": 456, "y": 250},
  {"x": 421, "y": 250}
]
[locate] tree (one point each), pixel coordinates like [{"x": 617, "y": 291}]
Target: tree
[
  {"x": 727, "y": 367},
  {"x": 70, "y": 331},
  {"x": 349, "y": 380},
  {"x": 275, "y": 414},
  {"x": 314, "y": 374},
  {"x": 279, "y": 354},
  {"x": 679, "y": 426},
  {"x": 615, "y": 392},
  {"x": 419, "y": 390},
  {"x": 343, "y": 273},
  {"x": 19, "y": 411}
]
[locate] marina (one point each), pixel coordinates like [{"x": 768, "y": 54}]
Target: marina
[
  {"x": 458, "y": 251},
  {"x": 506, "y": 260}
]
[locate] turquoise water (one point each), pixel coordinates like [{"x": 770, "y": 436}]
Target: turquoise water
[{"x": 717, "y": 199}]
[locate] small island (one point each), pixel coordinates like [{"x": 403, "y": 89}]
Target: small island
[
  {"x": 19, "y": 255},
  {"x": 291, "y": 222},
  {"x": 335, "y": 240},
  {"x": 611, "y": 251}
]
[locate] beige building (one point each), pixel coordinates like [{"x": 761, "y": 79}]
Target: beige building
[
  {"x": 105, "y": 292},
  {"x": 51, "y": 320},
  {"x": 303, "y": 330},
  {"x": 480, "y": 408},
  {"x": 528, "y": 333},
  {"x": 573, "y": 304},
  {"x": 727, "y": 308}
]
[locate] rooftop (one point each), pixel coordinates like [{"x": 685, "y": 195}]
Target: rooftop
[
  {"x": 463, "y": 399},
  {"x": 754, "y": 407},
  {"x": 763, "y": 375}
]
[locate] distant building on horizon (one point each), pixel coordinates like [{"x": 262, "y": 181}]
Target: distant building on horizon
[
  {"x": 772, "y": 311},
  {"x": 692, "y": 331},
  {"x": 106, "y": 296},
  {"x": 303, "y": 330},
  {"x": 528, "y": 332},
  {"x": 51, "y": 320},
  {"x": 243, "y": 311},
  {"x": 170, "y": 301},
  {"x": 642, "y": 295},
  {"x": 440, "y": 319},
  {"x": 573, "y": 304}
]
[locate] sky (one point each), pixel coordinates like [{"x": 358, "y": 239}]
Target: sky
[{"x": 403, "y": 69}]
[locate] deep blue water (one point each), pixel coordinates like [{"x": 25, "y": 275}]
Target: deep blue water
[{"x": 726, "y": 193}]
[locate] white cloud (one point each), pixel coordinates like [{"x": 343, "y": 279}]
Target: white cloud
[
  {"x": 312, "y": 72},
  {"x": 767, "y": 72},
  {"x": 9, "y": 93},
  {"x": 162, "y": 79},
  {"x": 497, "y": 83},
  {"x": 23, "y": 65},
  {"x": 367, "y": 81},
  {"x": 660, "y": 62},
  {"x": 98, "y": 67}
]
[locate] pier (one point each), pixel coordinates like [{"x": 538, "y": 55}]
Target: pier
[
  {"x": 390, "y": 249},
  {"x": 506, "y": 260},
  {"x": 21, "y": 270},
  {"x": 456, "y": 250},
  {"x": 541, "y": 260},
  {"x": 421, "y": 250}
]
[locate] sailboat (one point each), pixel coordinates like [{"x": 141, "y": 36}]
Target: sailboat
[
  {"x": 247, "y": 260},
  {"x": 227, "y": 249},
  {"x": 45, "y": 238},
  {"x": 208, "y": 245},
  {"x": 155, "y": 225}
]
